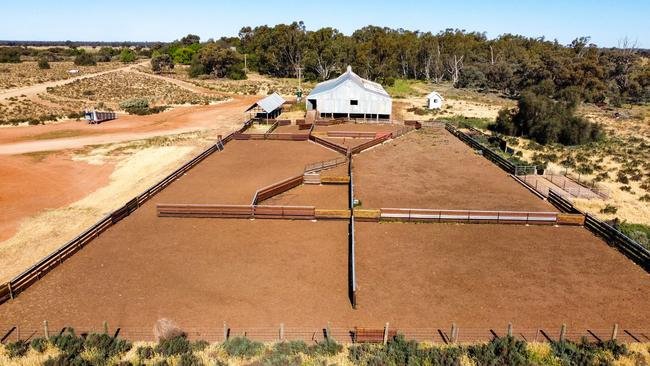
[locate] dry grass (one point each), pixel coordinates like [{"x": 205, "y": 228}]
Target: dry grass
[
  {"x": 113, "y": 88},
  {"x": 27, "y": 73}
]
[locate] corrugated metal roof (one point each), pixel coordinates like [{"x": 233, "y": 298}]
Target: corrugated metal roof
[
  {"x": 269, "y": 104},
  {"x": 349, "y": 76}
]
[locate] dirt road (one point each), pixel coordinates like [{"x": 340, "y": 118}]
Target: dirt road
[{"x": 75, "y": 134}]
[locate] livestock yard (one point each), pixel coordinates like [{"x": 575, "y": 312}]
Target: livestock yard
[{"x": 266, "y": 229}]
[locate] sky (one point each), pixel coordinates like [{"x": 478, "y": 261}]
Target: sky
[{"x": 606, "y": 22}]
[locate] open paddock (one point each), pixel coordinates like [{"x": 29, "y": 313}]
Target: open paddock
[
  {"x": 486, "y": 275},
  {"x": 430, "y": 168},
  {"x": 289, "y": 129},
  {"x": 326, "y": 196},
  {"x": 258, "y": 163}
]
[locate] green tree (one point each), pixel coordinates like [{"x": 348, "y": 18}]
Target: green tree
[
  {"x": 161, "y": 63},
  {"x": 43, "y": 63}
]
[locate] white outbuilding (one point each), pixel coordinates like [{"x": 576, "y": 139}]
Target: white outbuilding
[
  {"x": 350, "y": 96},
  {"x": 434, "y": 100}
]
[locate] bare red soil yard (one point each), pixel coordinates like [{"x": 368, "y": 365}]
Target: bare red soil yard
[
  {"x": 358, "y": 127},
  {"x": 289, "y": 129},
  {"x": 430, "y": 168},
  {"x": 198, "y": 272},
  {"x": 32, "y": 183},
  {"x": 334, "y": 196},
  {"x": 233, "y": 175},
  {"x": 486, "y": 275}
]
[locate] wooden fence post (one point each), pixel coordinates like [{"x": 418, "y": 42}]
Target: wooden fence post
[
  {"x": 615, "y": 331},
  {"x": 454, "y": 330},
  {"x": 386, "y": 334},
  {"x": 11, "y": 292},
  {"x": 281, "y": 332},
  {"x": 563, "y": 333},
  {"x": 225, "y": 331},
  {"x": 46, "y": 330},
  {"x": 105, "y": 326},
  {"x": 328, "y": 330},
  {"x": 510, "y": 329}
]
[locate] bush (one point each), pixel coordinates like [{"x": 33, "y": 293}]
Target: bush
[
  {"x": 189, "y": 359},
  {"x": 66, "y": 360},
  {"x": 173, "y": 346},
  {"x": 106, "y": 346},
  {"x": 144, "y": 353},
  {"x": 43, "y": 63},
  {"x": 140, "y": 106},
  {"x": 9, "y": 55},
  {"x": 85, "y": 59},
  {"x": 400, "y": 351},
  {"x": 199, "y": 345},
  {"x": 127, "y": 55},
  {"x": 291, "y": 347},
  {"x": 68, "y": 342},
  {"x": 17, "y": 349},
  {"x": 39, "y": 344},
  {"x": 500, "y": 351},
  {"x": 242, "y": 347},
  {"x": 328, "y": 347}
]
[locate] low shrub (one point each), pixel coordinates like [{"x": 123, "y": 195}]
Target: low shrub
[
  {"x": 68, "y": 342},
  {"x": 85, "y": 59},
  {"x": 43, "y": 63},
  {"x": 189, "y": 359},
  {"x": 39, "y": 344},
  {"x": 328, "y": 347},
  {"x": 17, "y": 349},
  {"x": 291, "y": 347},
  {"x": 200, "y": 345},
  {"x": 173, "y": 346},
  {"x": 144, "y": 353},
  {"x": 106, "y": 346},
  {"x": 242, "y": 347},
  {"x": 500, "y": 351},
  {"x": 66, "y": 360},
  {"x": 140, "y": 106}
]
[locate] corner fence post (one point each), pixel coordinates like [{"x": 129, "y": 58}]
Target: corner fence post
[{"x": 614, "y": 331}]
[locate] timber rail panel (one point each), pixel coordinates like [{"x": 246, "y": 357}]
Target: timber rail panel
[
  {"x": 277, "y": 188},
  {"x": 25, "y": 279},
  {"x": 338, "y": 148},
  {"x": 469, "y": 216},
  {"x": 359, "y": 148},
  {"x": 236, "y": 211}
]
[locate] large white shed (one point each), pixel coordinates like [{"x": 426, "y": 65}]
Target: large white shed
[
  {"x": 434, "y": 100},
  {"x": 350, "y": 96}
]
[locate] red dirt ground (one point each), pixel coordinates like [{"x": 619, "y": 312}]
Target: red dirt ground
[
  {"x": 258, "y": 163},
  {"x": 488, "y": 275},
  {"x": 31, "y": 184},
  {"x": 430, "y": 168},
  {"x": 334, "y": 196},
  {"x": 289, "y": 129},
  {"x": 347, "y": 141}
]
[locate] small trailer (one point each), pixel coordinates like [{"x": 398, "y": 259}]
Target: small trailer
[{"x": 94, "y": 117}]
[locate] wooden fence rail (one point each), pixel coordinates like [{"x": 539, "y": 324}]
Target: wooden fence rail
[
  {"x": 236, "y": 211},
  {"x": 21, "y": 282},
  {"x": 277, "y": 188},
  {"x": 338, "y": 148},
  {"x": 359, "y": 148},
  {"x": 500, "y": 217}
]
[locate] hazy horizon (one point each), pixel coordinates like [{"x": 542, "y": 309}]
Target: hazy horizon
[{"x": 163, "y": 21}]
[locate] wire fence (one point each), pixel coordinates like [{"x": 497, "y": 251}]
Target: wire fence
[{"x": 443, "y": 334}]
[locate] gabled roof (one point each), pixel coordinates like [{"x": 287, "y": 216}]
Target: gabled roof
[
  {"x": 368, "y": 85},
  {"x": 435, "y": 94},
  {"x": 269, "y": 104}
]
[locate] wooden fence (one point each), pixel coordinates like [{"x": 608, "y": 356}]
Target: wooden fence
[
  {"x": 630, "y": 248},
  {"x": 277, "y": 188},
  {"x": 236, "y": 211},
  {"x": 272, "y": 136},
  {"x": 359, "y": 148},
  {"x": 469, "y": 216},
  {"x": 352, "y": 134},
  {"x": 338, "y": 148},
  {"x": 499, "y": 160},
  {"x": 325, "y": 164}
]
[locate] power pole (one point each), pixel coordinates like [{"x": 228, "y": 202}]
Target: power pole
[{"x": 299, "y": 93}]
